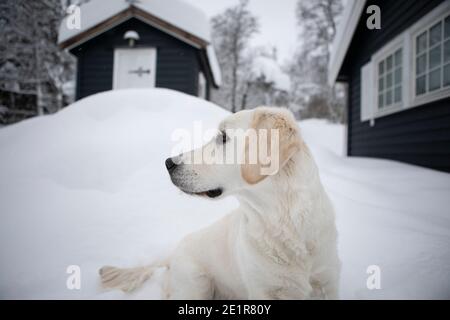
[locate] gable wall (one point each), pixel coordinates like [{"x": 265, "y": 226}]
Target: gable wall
[{"x": 178, "y": 63}]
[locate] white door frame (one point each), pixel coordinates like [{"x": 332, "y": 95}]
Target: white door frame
[{"x": 116, "y": 63}]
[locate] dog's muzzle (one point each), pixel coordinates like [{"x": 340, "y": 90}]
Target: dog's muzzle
[{"x": 171, "y": 166}]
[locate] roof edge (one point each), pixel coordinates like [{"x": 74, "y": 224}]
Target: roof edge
[
  {"x": 95, "y": 30},
  {"x": 344, "y": 36}
]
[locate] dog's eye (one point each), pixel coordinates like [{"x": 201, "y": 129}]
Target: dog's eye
[{"x": 222, "y": 138}]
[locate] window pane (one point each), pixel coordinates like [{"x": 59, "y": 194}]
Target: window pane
[
  {"x": 421, "y": 64},
  {"x": 447, "y": 75},
  {"x": 388, "y": 97},
  {"x": 381, "y": 68},
  {"x": 421, "y": 44},
  {"x": 447, "y": 51},
  {"x": 381, "y": 84},
  {"x": 435, "y": 57},
  {"x": 389, "y": 80},
  {"x": 421, "y": 85},
  {"x": 447, "y": 27},
  {"x": 398, "y": 57},
  {"x": 434, "y": 80},
  {"x": 398, "y": 94},
  {"x": 398, "y": 76},
  {"x": 435, "y": 34},
  {"x": 389, "y": 63},
  {"x": 380, "y": 101}
]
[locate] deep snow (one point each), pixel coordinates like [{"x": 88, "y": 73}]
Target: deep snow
[{"x": 88, "y": 187}]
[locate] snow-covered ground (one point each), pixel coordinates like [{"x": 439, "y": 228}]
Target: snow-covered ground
[{"x": 88, "y": 187}]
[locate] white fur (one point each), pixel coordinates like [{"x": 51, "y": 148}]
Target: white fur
[{"x": 279, "y": 244}]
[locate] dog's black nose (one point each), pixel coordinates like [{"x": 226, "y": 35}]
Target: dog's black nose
[{"x": 170, "y": 165}]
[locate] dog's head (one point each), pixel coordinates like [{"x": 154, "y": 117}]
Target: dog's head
[{"x": 250, "y": 146}]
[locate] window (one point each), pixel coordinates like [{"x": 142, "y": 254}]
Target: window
[
  {"x": 383, "y": 87},
  {"x": 390, "y": 76},
  {"x": 412, "y": 69},
  {"x": 432, "y": 58}
]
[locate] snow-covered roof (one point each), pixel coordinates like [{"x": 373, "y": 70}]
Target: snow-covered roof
[
  {"x": 177, "y": 13},
  {"x": 271, "y": 71},
  {"x": 344, "y": 35}
]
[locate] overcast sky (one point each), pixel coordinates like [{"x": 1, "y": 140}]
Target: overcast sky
[{"x": 276, "y": 18}]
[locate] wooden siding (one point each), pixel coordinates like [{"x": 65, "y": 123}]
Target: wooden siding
[
  {"x": 419, "y": 135},
  {"x": 178, "y": 63}
]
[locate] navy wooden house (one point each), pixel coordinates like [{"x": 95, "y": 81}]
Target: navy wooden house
[
  {"x": 398, "y": 80},
  {"x": 141, "y": 44}
]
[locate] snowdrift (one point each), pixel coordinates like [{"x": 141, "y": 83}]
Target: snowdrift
[{"x": 88, "y": 187}]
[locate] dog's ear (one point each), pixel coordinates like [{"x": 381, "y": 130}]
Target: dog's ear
[{"x": 279, "y": 132}]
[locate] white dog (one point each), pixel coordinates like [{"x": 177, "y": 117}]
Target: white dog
[{"x": 279, "y": 244}]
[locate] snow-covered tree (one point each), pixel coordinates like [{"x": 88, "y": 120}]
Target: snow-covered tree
[
  {"x": 267, "y": 84},
  {"x": 313, "y": 97},
  {"x": 68, "y": 3},
  {"x": 33, "y": 69},
  {"x": 232, "y": 31}
]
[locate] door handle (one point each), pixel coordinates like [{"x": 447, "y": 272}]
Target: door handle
[{"x": 140, "y": 71}]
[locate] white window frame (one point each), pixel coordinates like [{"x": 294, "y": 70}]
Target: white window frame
[
  {"x": 390, "y": 49},
  {"x": 406, "y": 41},
  {"x": 438, "y": 14}
]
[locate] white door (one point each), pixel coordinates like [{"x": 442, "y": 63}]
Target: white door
[{"x": 134, "y": 68}]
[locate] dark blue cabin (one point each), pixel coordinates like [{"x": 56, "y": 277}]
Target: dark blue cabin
[{"x": 141, "y": 45}]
